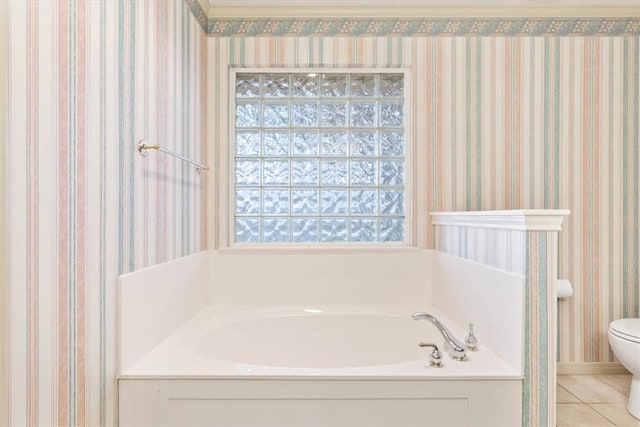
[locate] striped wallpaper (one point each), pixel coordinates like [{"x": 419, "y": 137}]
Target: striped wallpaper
[
  {"x": 509, "y": 122},
  {"x": 86, "y": 81},
  {"x": 512, "y": 123},
  {"x": 4, "y": 316}
]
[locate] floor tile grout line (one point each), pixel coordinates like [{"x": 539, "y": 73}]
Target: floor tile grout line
[
  {"x": 580, "y": 400},
  {"x": 590, "y": 405},
  {"x": 611, "y": 423},
  {"x": 626, "y": 393},
  {"x": 602, "y": 383},
  {"x": 601, "y": 414}
]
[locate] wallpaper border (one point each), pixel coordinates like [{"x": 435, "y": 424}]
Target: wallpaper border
[
  {"x": 457, "y": 27},
  {"x": 404, "y": 27}
]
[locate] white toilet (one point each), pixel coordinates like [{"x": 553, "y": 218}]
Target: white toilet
[{"x": 624, "y": 338}]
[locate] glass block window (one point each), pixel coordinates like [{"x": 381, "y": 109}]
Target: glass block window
[{"x": 319, "y": 157}]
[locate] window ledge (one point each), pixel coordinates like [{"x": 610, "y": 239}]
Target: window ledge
[{"x": 317, "y": 248}]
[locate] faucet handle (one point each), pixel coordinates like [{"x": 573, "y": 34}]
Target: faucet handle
[
  {"x": 470, "y": 340},
  {"x": 435, "y": 357}
]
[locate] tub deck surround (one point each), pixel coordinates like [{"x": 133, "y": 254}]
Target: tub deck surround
[
  {"x": 302, "y": 403},
  {"x": 328, "y": 277},
  {"x": 313, "y": 341},
  {"x": 348, "y": 368},
  {"x": 528, "y": 246},
  {"x": 247, "y": 360},
  {"x": 154, "y": 302},
  {"x": 460, "y": 286}
]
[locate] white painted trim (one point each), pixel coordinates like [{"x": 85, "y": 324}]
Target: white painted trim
[
  {"x": 419, "y": 8},
  {"x": 525, "y": 220},
  {"x": 205, "y": 5},
  {"x": 283, "y": 248},
  {"x": 591, "y": 368}
]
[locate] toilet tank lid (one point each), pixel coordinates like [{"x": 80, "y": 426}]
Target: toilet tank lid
[{"x": 630, "y": 327}]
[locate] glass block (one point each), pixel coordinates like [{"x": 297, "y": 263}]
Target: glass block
[
  {"x": 334, "y": 172},
  {"x": 334, "y": 85},
  {"x": 392, "y": 143},
  {"x": 276, "y": 85},
  {"x": 392, "y": 230},
  {"x": 319, "y": 157},
  {"x": 305, "y": 202},
  {"x": 391, "y": 114},
  {"x": 334, "y": 143},
  {"x": 363, "y": 172},
  {"x": 391, "y": 85},
  {"x": 304, "y": 85},
  {"x": 392, "y": 172},
  {"x": 363, "y": 230},
  {"x": 275, "y": 201},
  {"x": 247, "y": 85},
  {"x": 391, "y": 202},
  {"x": 276, "y": 115},
  {"x": 275, "y": 143},
  {"x": 333, "y": 114},
  {"x": 247, "y": 230},
  {"x": 305, "y": 143},
  {"x": 305, "y": 172},
  {"x": 363, "y": 114},
  {"x": 247, "y": 115},
  {"x": 364, "y": 202},
  {"x": 275, "y": 172},
  {"x": 275, "y": 230},
  {"x": 305, "y": 230},
  {"x": 248, "y": 143},
  {"x": 334, "y": 202},
  {"x": 363, "y": 85},
  {"x": 305, "y": 114},
  {"x": 247, "y": 172},
  {"x": 334, "y": 230},
  {"x": 363, "y": 143},
  {"x": 248, "y": 201}
]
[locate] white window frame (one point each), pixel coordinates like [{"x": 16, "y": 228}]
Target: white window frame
[{"x": 415, "y": 215}]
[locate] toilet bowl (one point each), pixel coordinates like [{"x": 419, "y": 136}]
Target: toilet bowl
[{"x": 624, "y": 338}]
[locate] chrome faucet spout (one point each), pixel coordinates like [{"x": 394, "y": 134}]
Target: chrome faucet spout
[{"x": 457, "y": 349}]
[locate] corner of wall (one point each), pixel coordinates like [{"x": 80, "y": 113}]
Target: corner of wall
[
  {"x": 4, "y": 320},
  {"x": 212, "y": 151}
]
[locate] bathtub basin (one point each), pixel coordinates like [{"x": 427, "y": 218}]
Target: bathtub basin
[
  {"x": 340, "y": 341},
  {"x": 314, "y": 366},
  {"x": 318, "y": 339}
]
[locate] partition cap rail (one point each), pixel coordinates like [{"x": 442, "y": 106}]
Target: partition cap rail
[{"x": 143, "y": 147}]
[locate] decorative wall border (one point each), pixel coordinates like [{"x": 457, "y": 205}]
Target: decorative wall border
[
  {"x": 406, "y": 27},
  {"x": 417, "y": 27},
  {"x": 424, "y": 27},
  {"x": 198, "y": 13}
]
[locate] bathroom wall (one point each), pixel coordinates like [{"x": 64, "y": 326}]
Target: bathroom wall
[
  {"x": 86, "y": 81},
  {"x": 4, "y": 319},
  {"x": 546, "y": 117}
]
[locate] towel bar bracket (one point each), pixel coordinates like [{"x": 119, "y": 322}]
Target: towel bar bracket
[{"x": 143, "y": 147}]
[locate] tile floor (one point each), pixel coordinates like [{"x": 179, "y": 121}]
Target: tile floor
[{"x": 594, "y": 400}]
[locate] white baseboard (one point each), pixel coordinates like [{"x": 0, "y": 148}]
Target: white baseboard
[{"x": 591, "y": 368}]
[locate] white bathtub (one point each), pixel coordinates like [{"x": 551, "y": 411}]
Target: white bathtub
[
  {"x": 314, "y": 365},
  {"x": 375, "y": 341}
]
